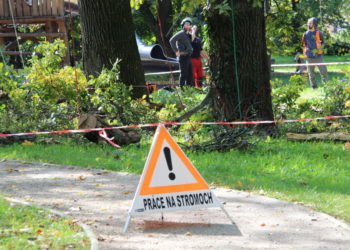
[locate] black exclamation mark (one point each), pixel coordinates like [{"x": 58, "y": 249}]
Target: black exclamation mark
[{"x": 170, "y": 164}]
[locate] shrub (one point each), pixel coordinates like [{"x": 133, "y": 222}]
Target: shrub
[
  {"x": 43, "y": 95},
  {"x": 112, "y": 98},
  {"x": 336, "y": 96},
  {"x": 284, "y": 96}
]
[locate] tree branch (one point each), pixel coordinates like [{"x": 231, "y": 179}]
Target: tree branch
[
  {"x": 204, "y": 103},
  {"x": 150, "y": 19}
]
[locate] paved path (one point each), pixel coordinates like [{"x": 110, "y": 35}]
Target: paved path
[{"x": 101, "y": 199}]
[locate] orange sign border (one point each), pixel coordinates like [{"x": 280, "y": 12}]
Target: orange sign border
[{"x": 145, "y": 186}]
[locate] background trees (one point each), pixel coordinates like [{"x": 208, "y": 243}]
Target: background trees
[
  {"x": 286, "y": 21},
  {"x": 158, "y": 19}
]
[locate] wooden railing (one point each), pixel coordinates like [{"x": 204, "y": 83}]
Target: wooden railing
[{"x": 31, "y": 8}]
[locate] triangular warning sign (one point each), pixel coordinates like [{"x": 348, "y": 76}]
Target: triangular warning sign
[
  {"x": 168, "y": 169},
  {"x": 169, "y": 180}
]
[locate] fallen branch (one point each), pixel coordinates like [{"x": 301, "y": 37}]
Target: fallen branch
[
  {"x": 121, "y": 136},
  {"x": 337, "y": 136},
  {"x": 224, "y": 141}
]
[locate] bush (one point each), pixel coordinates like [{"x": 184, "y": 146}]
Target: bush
[
  {"x": 112, "y": 99},
  {"x": 338, "y": 49},
  {"x": 42, "y": 96},
  {"x": 336, "y": 96},
  {"x": 179, "y": 102},
  {"x": 284, "y": 96}
]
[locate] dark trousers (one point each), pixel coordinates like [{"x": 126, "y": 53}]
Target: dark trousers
[{"x": 185, "y": 70}]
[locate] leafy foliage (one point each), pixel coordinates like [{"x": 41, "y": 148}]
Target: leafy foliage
[
  {"x": 337, "y": 95},
  {"x": 42, "y": 96},
  {"x": 46, "y": 95},
  {"x": 178, "y": 102},
  {"x": 285, "y": 96},
  {"x": 286, "y": 21},
  {"x": 111, "y": 98},
  {"x": 332, "y": 99}
]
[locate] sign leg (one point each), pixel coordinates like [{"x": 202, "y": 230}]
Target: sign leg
[
  {"x": 224, "y": 210},
  {"x": 126, "y": 224}
]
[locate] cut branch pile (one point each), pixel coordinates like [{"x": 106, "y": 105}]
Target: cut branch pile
[{"x": 224, "y": 141}]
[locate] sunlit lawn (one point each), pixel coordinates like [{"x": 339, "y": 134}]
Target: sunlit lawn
[{"x": 27, "y": 227}]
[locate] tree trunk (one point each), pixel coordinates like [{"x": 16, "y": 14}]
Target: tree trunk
[
  {"x": 161, "y": 24},
  {"x": 108, "y": 34},
  {"x": 250, "y": 96}
]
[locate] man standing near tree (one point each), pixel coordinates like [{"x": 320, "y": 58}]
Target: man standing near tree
[
  {"x": 313, "y": 42},
  {"x": 181, "y": 44}
]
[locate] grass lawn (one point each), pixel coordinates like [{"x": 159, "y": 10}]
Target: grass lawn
[
  {"x": 333, "y": 70},
  {"x": 316, "y": 174},
  {"x": 27, "y": 227}
]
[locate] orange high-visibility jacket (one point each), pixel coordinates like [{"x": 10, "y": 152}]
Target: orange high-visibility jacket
[{"x": 318, "y": 42}]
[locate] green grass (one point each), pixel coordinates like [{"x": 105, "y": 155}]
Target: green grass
[
  {"x": 27, "y": 227},
  {"x": 316, "y": 174},
  {"x": 334, "y": 71},
  {"x": 331, "y": 68}
]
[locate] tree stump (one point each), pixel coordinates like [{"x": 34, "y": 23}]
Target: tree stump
[{"x": 121, "y": 136}]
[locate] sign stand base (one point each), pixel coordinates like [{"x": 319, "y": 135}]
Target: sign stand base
[{"x": 125, "y": 229}]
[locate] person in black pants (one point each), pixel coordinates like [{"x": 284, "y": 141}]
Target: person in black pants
[{"x": 181, "y": 44}]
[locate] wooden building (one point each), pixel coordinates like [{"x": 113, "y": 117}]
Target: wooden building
[{"x": 48, "y": 13}]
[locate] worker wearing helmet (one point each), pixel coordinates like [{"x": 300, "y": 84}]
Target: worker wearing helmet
[
  {"x": 313, "y": 42},
  {"x": 181, "y": 44}
]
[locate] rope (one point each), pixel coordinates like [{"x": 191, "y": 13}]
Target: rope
[
  {"x": 172, "y": 26},
  {"x": 78, "y": 107},
  {"x": 170, "y": 68},
  {"x": 14, "y": 27},
  {"x": 321, "y": 14},
  {"x": 235, "y": 60}
]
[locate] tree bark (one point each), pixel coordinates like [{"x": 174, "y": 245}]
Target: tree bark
[
  {"x": 251, "y": 94},
  {"x": 108, "y": 34}
]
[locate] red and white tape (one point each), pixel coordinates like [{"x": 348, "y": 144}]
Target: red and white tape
[{"x": 104, "y": 135}]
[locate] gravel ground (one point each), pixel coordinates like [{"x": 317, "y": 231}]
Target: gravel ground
[{"x": 102, "y": 199}]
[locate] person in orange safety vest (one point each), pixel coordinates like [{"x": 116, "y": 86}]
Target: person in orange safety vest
[{"x": 313, "y": 43}]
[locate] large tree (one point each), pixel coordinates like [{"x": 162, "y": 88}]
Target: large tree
[
  {"x": 107, "y": 35},
  {"x": 239, "y": 66}
]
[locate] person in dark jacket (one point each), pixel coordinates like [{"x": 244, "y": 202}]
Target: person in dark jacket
[
  {"x": 313, "y": 42},
  {"x": 181, "y": 44}
]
